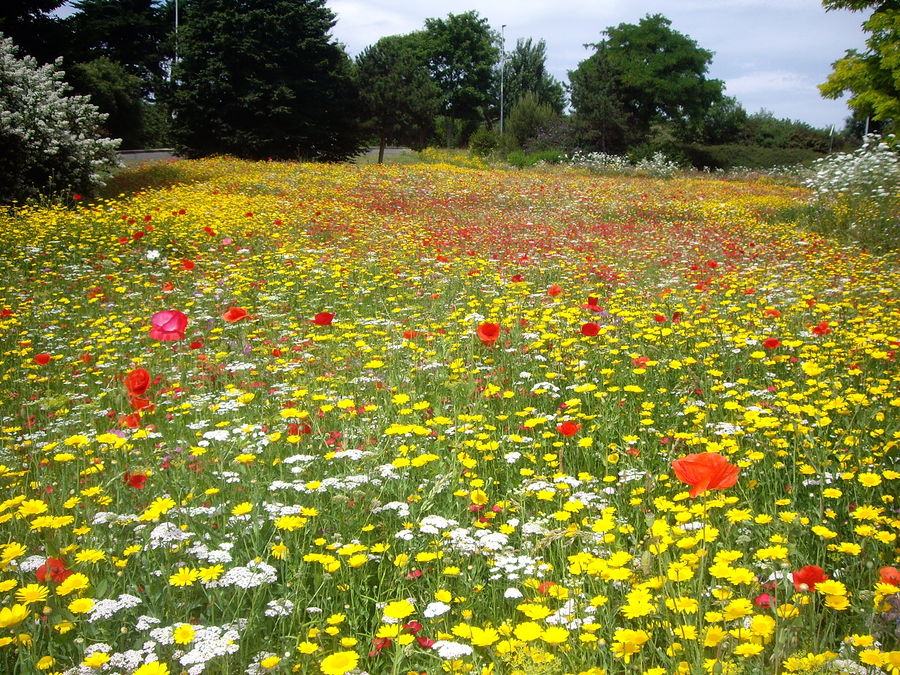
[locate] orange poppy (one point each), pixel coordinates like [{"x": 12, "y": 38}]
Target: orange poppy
[
  {"x": 705, "y": 471},
  {"x": 488, "y": 333},
  {"x": 235, "y": 314}
]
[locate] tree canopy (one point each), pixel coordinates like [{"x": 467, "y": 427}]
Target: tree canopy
[
  {"x": 525, "y": 70},
  {"x": 871, "y": 77},
  {"x": 264, "y": 79},
  {"x": 645, "y": 74},
  {"x": 398, "y": 96},
  {"x": 461, "y": 52}
]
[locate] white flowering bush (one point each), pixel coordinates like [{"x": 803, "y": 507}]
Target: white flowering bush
[
  {"x": 48, "y": 139},
  {"x": 871, "y": 171},
  {"x": 657, "y": 166},
  {"x": 857, "y": 195}
]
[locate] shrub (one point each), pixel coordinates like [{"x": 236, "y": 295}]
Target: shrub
[
  {"x": 521, "y": 159},
  {"x": 856, "y": 196},
  {"x": 729, "y": 156},
  {"x": 656, "y": 166},
  {"x": 483, "y": 142},
  {"x": 48, "y": 140}
]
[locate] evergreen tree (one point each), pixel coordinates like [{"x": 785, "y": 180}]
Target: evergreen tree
[
  {"x": 263, "y": 78},
  {"x": 525, "y": 70},
  {"x": 399, "y": 97}
]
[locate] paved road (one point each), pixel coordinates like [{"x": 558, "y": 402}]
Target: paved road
[{"x": 131, "y": 157}]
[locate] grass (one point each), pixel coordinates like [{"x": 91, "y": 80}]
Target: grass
[{"x": 448, "y": 432}]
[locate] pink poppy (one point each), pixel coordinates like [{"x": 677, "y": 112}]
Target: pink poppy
[{"x": 168, "y": 325}]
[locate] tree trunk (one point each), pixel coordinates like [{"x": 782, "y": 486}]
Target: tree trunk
[{"x": 381, "y": 149}]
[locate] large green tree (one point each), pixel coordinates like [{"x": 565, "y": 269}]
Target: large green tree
[
  {"x": 525, "y": 70},
  {"x": 871, "y": 77},
  {"x": 400, "y": 99},
  {"x": 264, "y": 78},
  {"x": 654, "y": 74},
  {"x": 600, "y": 119},
  {"x": 461, "y": 52},
  {"x": 32, "y": 27},
  {"x": 132, "y": 33}
]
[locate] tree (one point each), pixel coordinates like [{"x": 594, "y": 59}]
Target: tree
[
  {"x": 525, "y": 70},
  {"x": 397, "y": 93},
  {"x": 600, "y": 119},
  {"x": 723, "y": 121},
  {"x": 128, "y": 32},
  {"x": 872, "y": 77},
  {"x": 461, "y": 52},
  {"x": 48, "y": 140},
  {"x": 32, "y": 28},
  {"x": 117, "y": 93},
  {"x": 529, "y": 116},
  {"x": 263, "y": 78},
  {"x": 657, "y": 76}
]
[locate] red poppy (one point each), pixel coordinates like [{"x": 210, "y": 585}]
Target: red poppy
[
  {"x": 168, "y": 286},
  {"x": 138, "y": 403},
  {"x": 137, "y": 381},
  {"x": 488, "y": 333},
  {"x": 411, "y": 334},
  {"x": 763, "y": 600},
  {"x": 187, "y": 265},
  {"x": 132, "y": 421},
  {"x": 659, "y": 318},
  {"x": 518, "y": 278},
  {"x": 705, "y": 471},
  {"x": 235, "y": 314},
  {"x": 774, "y": 313},
  {"x": 590, "y": 329},
  {"x": 821, "y": 329},
  {"x": 323, "y": 318},
  {"x": 54, "y": 569},
  {"x": 196, "y": 344},
  {"x": 806, "y": 578},
  {"x": 771, "y": 343},
  {"x": 42, "y": 359},
  {"x": 568, "y": 428},
  {"x": 554, "y": 290},
  {"x": 135, "y": 480},
  {"x": 168, "y": 325},
  {"x": 593, "y": 304},
  {"x": 890, "y": 575},
  {"x": 640, "y": 361}
]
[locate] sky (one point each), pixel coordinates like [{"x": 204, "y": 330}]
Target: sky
[{"x": 770, "y": 54}]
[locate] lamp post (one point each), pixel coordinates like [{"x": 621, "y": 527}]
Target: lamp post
[{"x": 502, "y": 71}]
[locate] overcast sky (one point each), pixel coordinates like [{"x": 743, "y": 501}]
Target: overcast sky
[{"x": 770, "y": 53}]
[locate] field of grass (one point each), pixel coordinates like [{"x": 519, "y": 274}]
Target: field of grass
[{"x": 426, "y": 419}]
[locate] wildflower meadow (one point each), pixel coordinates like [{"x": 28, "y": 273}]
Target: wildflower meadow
[{"x": 328, "y": 419}]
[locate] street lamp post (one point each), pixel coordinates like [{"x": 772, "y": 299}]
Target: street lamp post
[{"x": 502, "y": 71}]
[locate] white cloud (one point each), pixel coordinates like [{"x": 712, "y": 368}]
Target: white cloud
[{"x": 768, "y": 81}]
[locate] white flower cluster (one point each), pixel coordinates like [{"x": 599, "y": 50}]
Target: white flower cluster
[
  {"x": 657, "y": 166},
  {"x": 49, "y": 139},
  {"x": 871, "y": 171}
]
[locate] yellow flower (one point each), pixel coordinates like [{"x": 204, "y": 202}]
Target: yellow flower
[
  {"x": 528, "y": 631},
  {"x": 555, "y": 635},
  {"x": 339, "y": 663},
  {"x": 831, "y": 587},
  {"x": 74, "y": 582},
  {"x": 32, "y": 593},
  {"x": 270, "y": 662},
  {"x": 399, "y": 609},
  {"x": 153, "y": 668},
  {"x": 81, "y": 605},
  {"x": 96, "y": 660},
  {"x": 183, "y": 634},
  {"x": 185, "y": 576},
  {"x": 11, "y": 616}
]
